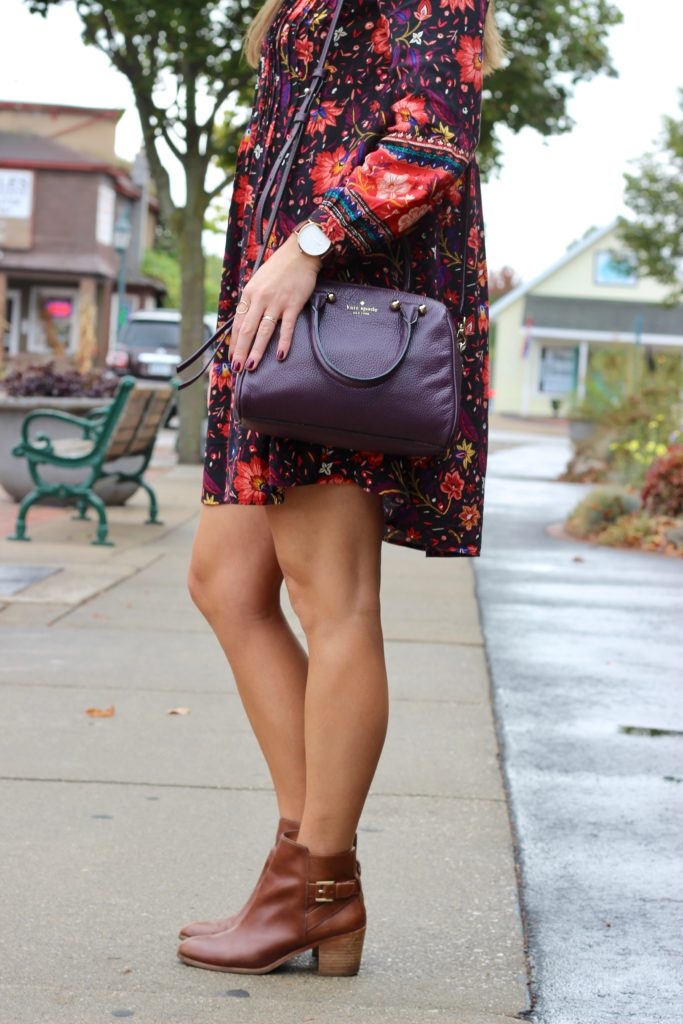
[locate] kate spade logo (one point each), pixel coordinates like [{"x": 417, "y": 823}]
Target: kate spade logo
[{"x": 361, "y": 308}]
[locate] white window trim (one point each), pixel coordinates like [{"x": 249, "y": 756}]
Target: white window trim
[{"x": 604, "y": 337}]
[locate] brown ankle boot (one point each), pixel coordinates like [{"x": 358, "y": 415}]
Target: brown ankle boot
[
  {"x": 273, "y": 927},
  {"x": 222, "y": 924}
]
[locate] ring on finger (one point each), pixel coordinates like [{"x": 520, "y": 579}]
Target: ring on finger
[
  {"x": 267, "y": 316},
  {"x": 242, "y": 307}
]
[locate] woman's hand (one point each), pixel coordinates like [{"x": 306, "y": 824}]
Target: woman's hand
[{"x": 277, "y": 292}]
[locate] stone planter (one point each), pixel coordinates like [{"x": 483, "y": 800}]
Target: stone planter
[
  {"x": 581, "y": 430},
  {"x": 14, "y": 474}
]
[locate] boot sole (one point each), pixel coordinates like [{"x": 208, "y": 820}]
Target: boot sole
[{"x": 338, "y": 957}]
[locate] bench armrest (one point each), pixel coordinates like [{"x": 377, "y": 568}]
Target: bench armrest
[{"x": 42, "y": 443}]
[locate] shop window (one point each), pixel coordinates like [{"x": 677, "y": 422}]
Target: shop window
[
  {"x": 53, "y": 320},
  {"x": 557, "y": 370}
]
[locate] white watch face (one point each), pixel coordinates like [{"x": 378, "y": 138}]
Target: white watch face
[{"x": 313, "y": 240}]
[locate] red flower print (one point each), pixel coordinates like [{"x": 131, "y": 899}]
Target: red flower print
[
  {"x": 458, "y": 5},
  {"x": 454, "y": 194},
  {"x": 474, "y": 238},
  {"x": 246, "y": 143},
  {"x": 372, "y": 459},
  {"x": 452, "y": 485},
  {"x": 243, "y": 192},
  {"x": 485, "y": 375},
  {"x": 331, "y": 226},
  {"x": 250, "y": 482},
  {"x": 410, "y": 112},
  {"x": 424, "y": 10},
  {"x": 334, "y": 478},
  {"x": 469, "y": 516},
  {"x": 324, "y": 116},
  {"x": 381, "y": 37},
  {"x": 329, "y": 168},
  {"x": 471, "y": 60},
  {"x": 221, "y": 377},
  {"x": 304, "y": 49}
]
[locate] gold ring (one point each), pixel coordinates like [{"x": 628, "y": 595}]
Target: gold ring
[
  {"x": 267, "y": 316},
  {"x": 246, "y": 305}
]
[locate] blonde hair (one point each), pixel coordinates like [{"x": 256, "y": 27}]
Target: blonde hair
[{"x": 494, "y": 50}]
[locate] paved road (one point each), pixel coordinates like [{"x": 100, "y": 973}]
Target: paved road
[{"x": 585, "y": 647}]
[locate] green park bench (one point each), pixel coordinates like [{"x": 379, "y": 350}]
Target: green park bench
[{"x": 126, "y": 428}]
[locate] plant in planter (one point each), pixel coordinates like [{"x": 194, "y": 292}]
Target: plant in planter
[
  {"x": 50, "y": 380},
  {"x": 49, "y": 385}
]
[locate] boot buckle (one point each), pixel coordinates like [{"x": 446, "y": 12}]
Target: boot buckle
[{"x": 323, "y": 894}]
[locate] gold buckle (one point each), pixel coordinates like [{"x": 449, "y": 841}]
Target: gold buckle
[{"x": 320, "y": 890}]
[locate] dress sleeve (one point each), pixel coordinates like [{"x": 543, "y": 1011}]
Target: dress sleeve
[{"x": 430, "y": 93}]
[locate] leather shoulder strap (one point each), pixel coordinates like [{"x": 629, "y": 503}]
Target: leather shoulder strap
[{"x": 282, "y": 164}]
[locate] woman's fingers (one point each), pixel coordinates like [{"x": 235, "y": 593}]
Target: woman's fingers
[
  {"x": 259, "y": 342},
  {"x": 287, "y": 325},
  {"x": 278, "y": 290}
]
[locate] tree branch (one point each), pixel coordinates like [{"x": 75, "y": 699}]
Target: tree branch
[{"x": 227, "y": 180}]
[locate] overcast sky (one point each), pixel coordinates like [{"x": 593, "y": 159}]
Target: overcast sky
[{"x": 549, "y": 191}]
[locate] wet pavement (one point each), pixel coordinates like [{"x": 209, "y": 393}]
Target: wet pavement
[{"x": 585, "y": 647}]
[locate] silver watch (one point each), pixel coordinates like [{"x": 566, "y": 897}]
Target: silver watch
[{"x": 312, "y": 239}]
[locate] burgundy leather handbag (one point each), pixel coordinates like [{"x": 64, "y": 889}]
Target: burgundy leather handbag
[{"x": 369, "y": 368}]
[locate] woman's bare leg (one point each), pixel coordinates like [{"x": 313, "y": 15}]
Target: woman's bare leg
[
  {"x": 328, "y": 545},
  {"x": 235, "y": 581}
]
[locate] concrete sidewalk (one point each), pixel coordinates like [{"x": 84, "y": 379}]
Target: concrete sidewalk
[{"x": 117, "y": 830}]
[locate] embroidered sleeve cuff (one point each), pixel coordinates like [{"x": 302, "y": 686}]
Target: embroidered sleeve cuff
[{"x": 350, "y": 227}]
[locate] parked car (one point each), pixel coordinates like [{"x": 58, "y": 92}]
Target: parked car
[{"x": 149, "y": 344}]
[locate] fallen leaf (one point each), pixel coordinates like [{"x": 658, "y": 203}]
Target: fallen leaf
[
  {"x": 101, "y": 712},
  {"x": 179, "y": 711}
]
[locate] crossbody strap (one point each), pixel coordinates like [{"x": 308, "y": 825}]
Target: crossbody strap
[{"x": 282, "y": 166}]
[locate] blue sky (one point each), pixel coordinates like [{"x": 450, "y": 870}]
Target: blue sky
[{"x": 549, "y": 191}]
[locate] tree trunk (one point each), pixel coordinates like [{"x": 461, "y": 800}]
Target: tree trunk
[{"x": 192, "y": 400}]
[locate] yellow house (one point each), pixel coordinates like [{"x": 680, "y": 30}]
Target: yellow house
[{"x": 547, "y": 329}]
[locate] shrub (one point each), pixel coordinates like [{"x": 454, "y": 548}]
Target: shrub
[
  {"x": 663, "y": 490},
  {"x": 637, "y": 530},
  {"x": 634, "y": 399},
  {"x": 600, "y": 509},
  {"x": 52, "y": 381}
]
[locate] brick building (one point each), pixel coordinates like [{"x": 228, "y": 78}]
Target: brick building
[{"x": 62, "y": 191}]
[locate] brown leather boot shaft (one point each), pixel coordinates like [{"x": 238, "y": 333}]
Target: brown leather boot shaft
[
  {"x": 301, "y": 901},
  {"x": 222, "y": 924}
]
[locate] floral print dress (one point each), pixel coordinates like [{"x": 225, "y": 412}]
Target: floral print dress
[{"x": 383, "y": 157}]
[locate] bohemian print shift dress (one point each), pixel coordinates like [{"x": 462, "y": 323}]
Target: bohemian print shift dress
[{"x": 383, "y": 156}]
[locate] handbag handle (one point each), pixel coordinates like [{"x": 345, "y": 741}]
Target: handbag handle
[
  {"x": 284, "y": 163},
  {"x": 318, "y": 302}
]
